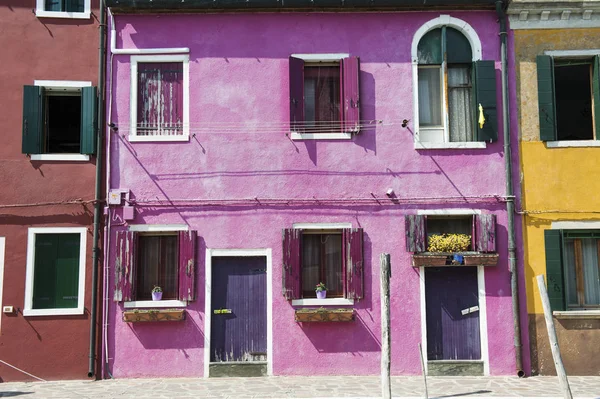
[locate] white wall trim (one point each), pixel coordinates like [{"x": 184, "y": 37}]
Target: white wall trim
[
  {"x": 423, "y": 309},
  {"x": 459, "y": 211},
  {"x": 330, "y": 57},
  {"x": 430, "y": 145},
  {"x": 158, "y": 227},
  {"x": 323, "y": 302},
  {"x": 2, "y": 247},
  {"x": 579, "y": 225},
  {"x": 169, "y": 303},
  {"x": 483, "y": 330},
  {"x": 27, "y": 309},
  {"x": 571, "y": 23},
  {"x": 322, "y": 226},
  {"x": 266, "y": 252},
  {"x": 60, "y": 157},
  {"x": 572, "y": 53},
  {"x": 320, "y": 136},
  {"x": 62, "y": 84},
  {"x": 41, "y": 12},
  {"x": 134, "y": 60},
  {"x": 572, "y": 143}
]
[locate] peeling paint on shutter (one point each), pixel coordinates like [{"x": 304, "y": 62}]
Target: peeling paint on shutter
[
  {"x": 296, "y": 94},
  {"x": 350, "y": 94},
  {"x": 415, "y": 233},
  {"x": 354, "y": 262},
  {"x": 187, "y": 265},
  {"x": 292, "y": 266},
  {"x": 485, "y": 233},
  {"x": 124, "y": 265}
]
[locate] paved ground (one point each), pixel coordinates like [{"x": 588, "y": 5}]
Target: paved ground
[{"x": 304, "y": 387}]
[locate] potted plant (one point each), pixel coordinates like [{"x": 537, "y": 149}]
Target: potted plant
[
  {"x": 321, "y": 290},
  {"x": 156, "y": 293}
]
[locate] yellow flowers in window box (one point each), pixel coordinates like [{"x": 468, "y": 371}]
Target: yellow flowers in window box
[{"x": 448, "y": 242}]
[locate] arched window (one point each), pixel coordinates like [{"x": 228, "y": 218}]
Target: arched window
[{"x": 456, "y": 93}]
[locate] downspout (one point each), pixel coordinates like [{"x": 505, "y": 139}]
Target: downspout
[
  {"x": 510, "y": 197},
  {"x": 99, "y": 203}
]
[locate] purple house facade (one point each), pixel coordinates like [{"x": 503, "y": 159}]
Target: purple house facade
[{"x": 254, "y": 155}]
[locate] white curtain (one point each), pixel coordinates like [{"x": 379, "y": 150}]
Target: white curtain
[
  {"x": 430, "y": 97},
  {"x": 571, "y": 281},
  {"x": 459, "y": 103},
  {"x": 590, "y": 271}
]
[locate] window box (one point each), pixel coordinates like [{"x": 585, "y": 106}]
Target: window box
[
  {"x": 446, "y": 259},
  {"x": 481, "y": 259},
  {"x": 323, "y": 315},
  {"x": 423, "y": 259},
  {"x": 134, "y": 316}
]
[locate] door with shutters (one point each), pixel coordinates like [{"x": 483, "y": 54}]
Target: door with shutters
[
  {"x": 452, "y": 309},
  {"x": 238, "y": 309}
]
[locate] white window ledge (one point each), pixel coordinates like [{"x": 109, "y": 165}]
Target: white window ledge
[
  {"x": 320, "y": 136},
  {"x": 52, "y": 312},
  {"x": 155, "y": 304},
  {"x": 577, "y": 314},
  {"x": 322, "y": 302},
  {"x": 572, "y": 143},
  {"x": 183, "y": 137},
  {"x": 62, "y": 14},
  {"x": 60, "y": 157},
  {"x": 423, "y": 145}
]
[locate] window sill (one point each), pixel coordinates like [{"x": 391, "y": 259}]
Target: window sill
[
  {"x": 174, "y": 138},
  {"x": 572, "y": 143},
  {"x": 52, "y": 312},
  {"x": 62, "y": 14},
  {"x": 60, "y": 157},
  {"x": 320, "y": 136},
  {"x": 155, "y": 304},
  {"x": 424, "y": 145},
  {"x": 322, "y": 302},
  {"x": 577, "y": 314}
]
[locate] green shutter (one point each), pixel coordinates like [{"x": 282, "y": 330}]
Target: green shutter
[
  {"x": 44, "y": 272},
  {"x": 32, "y": 120},
  {"x": 88, "y": 120},
  {"x": 554, "y": 269},
  {"x": 596, "y": 90},
  {"x": 546, "y": 100},
  {"x": 67, "y": 271},
  {"x": 485, "y": 95}
]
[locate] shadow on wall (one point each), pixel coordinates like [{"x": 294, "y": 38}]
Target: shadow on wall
[{"x": 169, "y": 335}]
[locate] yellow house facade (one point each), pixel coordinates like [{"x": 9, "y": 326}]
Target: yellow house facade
[{"x": 556, "y": 55}]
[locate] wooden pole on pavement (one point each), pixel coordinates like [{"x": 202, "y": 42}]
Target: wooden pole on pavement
[
  {"x": 386, "y": 386},
  {"x": 560, "y": 368},
  {"x": 426, "y": 396}
]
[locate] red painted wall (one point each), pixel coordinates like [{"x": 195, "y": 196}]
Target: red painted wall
[{"x": 50, "y": 347}]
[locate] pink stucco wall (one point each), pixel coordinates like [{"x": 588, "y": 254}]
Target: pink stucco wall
[{"x": 239, "y": 107}]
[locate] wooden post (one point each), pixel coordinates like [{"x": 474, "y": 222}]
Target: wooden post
[
  {"x": 386, "y": 386},
  {"x": 560, "y": 368},
  {"x": 423, "y": 370}
]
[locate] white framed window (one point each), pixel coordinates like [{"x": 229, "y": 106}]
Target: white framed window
[
  {"x": 77, "y": 9},
  {"x": 159, "y": 98},
  {"x": 55, "y": 276}
]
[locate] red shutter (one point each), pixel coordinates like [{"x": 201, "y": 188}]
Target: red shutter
[
  {"x": 354, "y": 263},
  {"x": 485, "y": 233},
  {"x": 292, "y": 266},
  {"x": 187, "y": 265},
  {"x": 124, "y": 265},
  {"x": 350, "y": 94},
  {"x": 416, "y": 237},
  {"x": 296, "y": 94}
]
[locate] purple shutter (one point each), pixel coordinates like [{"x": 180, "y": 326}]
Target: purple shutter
[
  {"x": 292, "y": 266},
  {"x": 485, "y": 233},
  {"x": 124, "y": 265},
  {"x": 350, "y": 94},
  {"x": 353, "y": 262},
  {"x": 172, "y": 97},
  {"x": 296, "y": 94},
  {"x": 160, "y": 98},
  {"x": 187, "y": 265},
  {"x": 416, "y": 237}
]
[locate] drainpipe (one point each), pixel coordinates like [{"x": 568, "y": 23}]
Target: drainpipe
[
  {"x": 510, "y": 198},
  {"x": 98, "y": 203}
]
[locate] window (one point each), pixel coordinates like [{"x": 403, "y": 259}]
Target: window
[
  {"x": 59, "y": 120},
  {"x": 63, "y": 8},
  {"x": 456, "y": 97},
  {"x": 572, "y": 268},
  {"x": 55, "y": 278},
  {"x": 314, "y": 254},
  {"x": 569, "y": 98},
  {"x": 324, "y": 96},
  {"x": 147, "y": 258},
  {"x": 160, "y": 99}
]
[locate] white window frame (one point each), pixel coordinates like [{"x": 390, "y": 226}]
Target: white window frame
[
  {"x": 135, "y": 59},
  {"x": 74, "y": 86},
  {"x": 32, "y": 231},
  {"x": 473, "y": 38},
  {"x": 40, "y": 12},
  {"x": 314, "y": 58}
]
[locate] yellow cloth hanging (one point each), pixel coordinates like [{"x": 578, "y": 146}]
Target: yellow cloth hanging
[{"x": 481, "y": 117}]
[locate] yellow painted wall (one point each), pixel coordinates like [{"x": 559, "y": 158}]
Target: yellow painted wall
[{"x": 557, "y": 183}]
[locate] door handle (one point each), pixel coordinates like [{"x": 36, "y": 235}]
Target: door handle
[
  {"x": 222, "y": 311},
  {"x": 472, "y": 309}
]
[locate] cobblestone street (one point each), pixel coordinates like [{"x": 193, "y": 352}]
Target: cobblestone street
[{"x": 304, "y": 387}]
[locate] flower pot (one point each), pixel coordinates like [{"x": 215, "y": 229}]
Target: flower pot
[
  {"x": 321, "y": 294},
  {"x": 156, "y": 296}
]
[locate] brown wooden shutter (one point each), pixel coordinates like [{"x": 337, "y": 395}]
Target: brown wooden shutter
[
  {"x": 187, "y": 265},
  {"x": 415, "y": 233},
  {"x": 353, "y": 262},
  {"x": 350, "y": 70},
  {"x": 296, "y": 94},
  {"x": 292, "y": 263},
  {"x": 124, "y": 265},
  {"x": 485, "y": 233}
]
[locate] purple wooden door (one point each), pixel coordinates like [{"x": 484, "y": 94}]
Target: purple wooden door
[
  {"x": 238, "y": 309},
  {"x": 452, "y": 313}
]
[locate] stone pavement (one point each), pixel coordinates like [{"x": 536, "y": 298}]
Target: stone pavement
[{"x": 304, "y": 387}]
